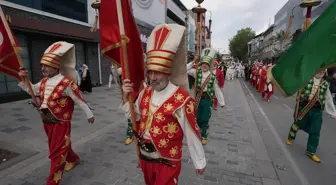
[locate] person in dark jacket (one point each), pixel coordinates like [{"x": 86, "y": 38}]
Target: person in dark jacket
[{"x": 86, "y": 84}]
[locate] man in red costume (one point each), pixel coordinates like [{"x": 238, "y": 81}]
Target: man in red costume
[
  {"x": 58, "y": 93},
  {"x": 254, "y": 74},
  {"x": 220, "y": 79},
  {"x": 268, "y": 87},
  {"x": 258, "y": 72},
  {"x": 262, "y": 78},
  {"x": 165, "y": 111}
]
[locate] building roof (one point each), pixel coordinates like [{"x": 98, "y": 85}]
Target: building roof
[{"x": 269, "y": 30}]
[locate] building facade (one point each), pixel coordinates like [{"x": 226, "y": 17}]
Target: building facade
[
  {"x": 175, "y": 12},
  {"x": 255, "y": 47},
  {"x": 37, "y": 24},
  {"x": 281, "y": 18},
  {"x": 191, "y": 35},
  {"x": 267, "y": 45}
]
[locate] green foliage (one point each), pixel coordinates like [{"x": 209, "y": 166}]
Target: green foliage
[{"x": 238, "y": 44}]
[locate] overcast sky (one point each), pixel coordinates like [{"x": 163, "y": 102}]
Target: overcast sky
[{"x": 228, "y": 16}]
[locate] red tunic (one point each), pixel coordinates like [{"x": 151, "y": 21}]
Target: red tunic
[
  {"x": 165, "y": 131},
  {"x": 220, "y": 78},
  {"x": 60, "y": 105},
  {"x": 262, "y": 80}
]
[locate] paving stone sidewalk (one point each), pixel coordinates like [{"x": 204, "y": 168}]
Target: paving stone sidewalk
[{"x": 236, "y": 153}]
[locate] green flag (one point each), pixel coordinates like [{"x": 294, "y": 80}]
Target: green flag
[{"x": 313, "y": 51}]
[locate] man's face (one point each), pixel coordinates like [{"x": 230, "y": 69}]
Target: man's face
[
  {"x": 205, "y": 67},
  {"x": 48, "y": 71},
  {"x": 158, "y": 81}
]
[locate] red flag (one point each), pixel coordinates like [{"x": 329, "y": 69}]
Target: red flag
[
  {"x": 9, "y": 49},
  {"x": 110, "y": 40}
]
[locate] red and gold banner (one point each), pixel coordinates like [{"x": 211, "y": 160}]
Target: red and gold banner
[
  {"x": 9, "y": 49},
  {"x": 110, "y": 40}
]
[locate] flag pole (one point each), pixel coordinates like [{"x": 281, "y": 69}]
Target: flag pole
[
  {"x": 127, "y": 72},
  {"x": 306, "y": 25},
  {"x": 17, "y": 50},
  {"x": 199, "y": 12}
]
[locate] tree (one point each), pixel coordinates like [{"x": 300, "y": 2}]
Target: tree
[{"x": 238, "y": 44}]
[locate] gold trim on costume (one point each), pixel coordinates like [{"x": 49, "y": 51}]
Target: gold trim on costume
[
  {"x": 159, "y": 61},
  {"x": 115, "y": 45},
  {"x": 153, "y": 67},
  {"x": 163, "y": 54},
  {"x": 50, "y": 63},
  {"x": 49, "y": 59},
  {"x": 7, "y": 68},
  {"x": 206, "y": 59},
  {"x": 110, "y": 47},
  {"x": 52, "y": 55},
  {"x": 6, "y": 56}
]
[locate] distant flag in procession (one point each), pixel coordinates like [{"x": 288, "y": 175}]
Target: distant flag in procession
[
  {"x": 315, "y": 50},
  {"x": 110, "y": 40},
  {"x": 10, "y": 63}
]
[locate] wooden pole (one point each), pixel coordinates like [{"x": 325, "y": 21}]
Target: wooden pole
[
  {"x": 307, "y": 23},
  {"x": 197, "y": 53},
  {"x": 17, "y": 51},
  {"x": 127, "y": 72}
]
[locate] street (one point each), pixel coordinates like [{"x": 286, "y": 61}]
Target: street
[
  {"x": 279, "y": 112},
  {"x": 236, "y": 153}
]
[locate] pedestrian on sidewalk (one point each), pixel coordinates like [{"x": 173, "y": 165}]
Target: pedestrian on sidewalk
[
  {"x": 207, "y": 88},
  {"x": 112, "y": 78},
  {"x": 308, "y": 116},
  {"x": 78, "y": 78},
  {"x": 165, "y": 111},
  {"x": 58, "y": 93},
  {"x": 86, "y": 84}
]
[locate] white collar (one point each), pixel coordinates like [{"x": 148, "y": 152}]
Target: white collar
[
  {"x": 55, "y": 77},
  {"x": 166, "y": 90}
]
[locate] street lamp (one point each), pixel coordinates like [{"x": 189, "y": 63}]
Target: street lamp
[
  {"x": 290, "y": 22},
  {"x": 96, "y": 6},
  {"x": 199, "y": 11}
]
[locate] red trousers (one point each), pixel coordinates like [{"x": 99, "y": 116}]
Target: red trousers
[
  {"x": 269, "y": 94},
  {"x": 160, "y": 174},
  {"x": 60, "y": 150}
]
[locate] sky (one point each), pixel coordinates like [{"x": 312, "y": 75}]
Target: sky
[{"x": 228, "y": 16}]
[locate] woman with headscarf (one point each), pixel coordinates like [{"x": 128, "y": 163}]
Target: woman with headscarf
[{"x": 86, "y": 84}]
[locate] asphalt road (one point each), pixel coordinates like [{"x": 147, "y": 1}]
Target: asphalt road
[{"x": 280, "y": 113}]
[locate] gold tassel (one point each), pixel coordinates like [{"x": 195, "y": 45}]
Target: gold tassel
[
  {"x": 95, "y": 25},
  {"x": 307, "y": 23}
]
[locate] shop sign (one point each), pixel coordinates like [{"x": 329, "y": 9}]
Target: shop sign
[{"x": 143, "y": 38}]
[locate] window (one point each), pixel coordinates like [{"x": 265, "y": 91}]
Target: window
[{"x": 74, "y": 9}]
